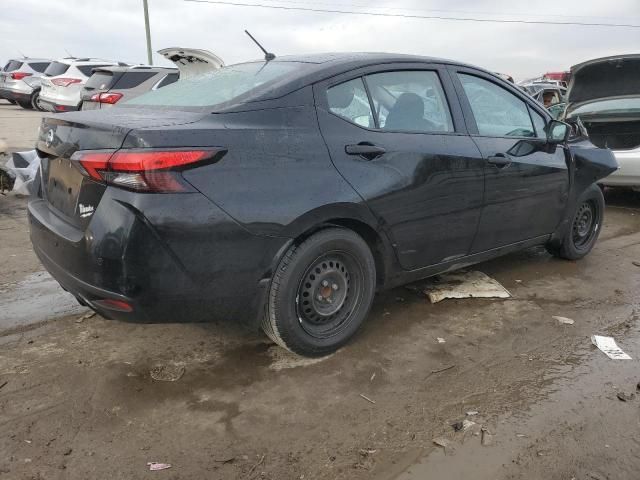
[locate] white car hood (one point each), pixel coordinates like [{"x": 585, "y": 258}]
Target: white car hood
[{"x": 191, "y": 61}]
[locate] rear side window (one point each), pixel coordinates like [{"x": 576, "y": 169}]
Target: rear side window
[
  {"x": 133, "y": 79},
  {"x": 168, "y": 80},
  {"x": 12, "y": 65},
  {"x": 39, "y": 67},
  {"x": 349, "y": 100},
  {"x": 56, "y": 68},
  {"x": 410, "y": 101},
  {"x": 497, "y": 112},
  {"x": 100, "y": 80},
  {"x": 87, "y": 69}
]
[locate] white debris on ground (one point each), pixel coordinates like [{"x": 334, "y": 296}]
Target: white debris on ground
[
  {"x": 609, "y": 347},
  {"x": 463, "y": 284},
  {"x": 564, "y": 320}
]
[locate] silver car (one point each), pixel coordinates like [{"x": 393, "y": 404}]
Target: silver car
[
  {"x": 20, "y": 80},
  {"x": 604, "y": 94},
  {"x": 110, "y": 85}
]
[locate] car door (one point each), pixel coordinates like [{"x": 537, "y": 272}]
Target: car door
[
  {"x": 526, "y": 178},
  {"x": 396, "y": 134}
]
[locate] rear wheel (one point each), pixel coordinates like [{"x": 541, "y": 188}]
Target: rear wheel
[
  {"x": 586, "y": 224},
  {"x": 26, "y": 105},
  {"x": 321, "y": 292},
  {"x": 35, "y": 101}
]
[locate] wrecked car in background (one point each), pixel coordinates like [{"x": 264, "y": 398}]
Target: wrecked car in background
[
  {"x": 604, "y": 95},
  {"x": 284, "y": 193}
]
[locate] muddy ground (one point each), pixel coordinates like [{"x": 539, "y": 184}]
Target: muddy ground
[{"x": 77, "y": 400}]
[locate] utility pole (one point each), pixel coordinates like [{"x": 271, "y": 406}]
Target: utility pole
[{"x": 148, "y": 30}]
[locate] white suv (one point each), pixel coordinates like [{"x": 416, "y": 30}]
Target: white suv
[
  {"x": 19, "y": 80},
  {"x": 63, "y": 81}
]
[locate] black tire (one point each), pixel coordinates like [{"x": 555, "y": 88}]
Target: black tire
[
  {"x": 320, "y": 293},
  {"x": 35, "y": 98},
  {"x": 585, "y": 225},
  {"x": 25, "y": 105}
]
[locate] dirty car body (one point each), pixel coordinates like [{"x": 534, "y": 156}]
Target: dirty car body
[
  {"x": 604, "y": 95},
  {"x": 189, "y": 206}
]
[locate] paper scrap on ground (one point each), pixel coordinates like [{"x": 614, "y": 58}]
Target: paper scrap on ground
[
  {"x": 564, "y": 320},
  {"x": 465, "y": 285},
  {"x": 609, "y": 347},
  {"x": 153, "y": 466}
]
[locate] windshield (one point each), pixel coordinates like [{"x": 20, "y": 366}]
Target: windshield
[{"x": 217, "y": 87}]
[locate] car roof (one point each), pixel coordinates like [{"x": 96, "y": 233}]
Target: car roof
[
  {"x": 29, "y": 60},
  {"x": 84, "y": 61},
  {"x": 366, "y": 58}
]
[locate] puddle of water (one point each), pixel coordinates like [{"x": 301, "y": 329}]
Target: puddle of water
[
  {"x": 582, "y": 400},
  {"x": 35, "y": 299}
]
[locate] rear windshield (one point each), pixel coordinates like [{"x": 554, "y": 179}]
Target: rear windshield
[
  {"x": 133, "y": 79},
  {"x": 39, "y": 67},
  {"x": 12, "y": 65},
  {"x": 87, "y": 69},
  {"x": 99, "y": 81},
  {"x": 55, "y": 69},
  {"x": 217, "y": 87}
]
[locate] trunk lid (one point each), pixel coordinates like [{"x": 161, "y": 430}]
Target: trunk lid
[
  {"x": 69, "y": 193},
  {"x": 191, "y": 61},
  {"x": 605, "y": 78}
]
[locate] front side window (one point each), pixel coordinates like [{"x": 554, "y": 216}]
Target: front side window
[
  {"x": 498, "y": 112},
  {"x": 540, "y": 123},
  {"x": 349, "y": 100},
  {"x": 410, "y": 101}
]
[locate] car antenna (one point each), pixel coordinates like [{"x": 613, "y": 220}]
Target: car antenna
[
  {"x": 23, "y": 55},
  {"x": 268, "y": 56},
  {"x": 69, "y": 53}
]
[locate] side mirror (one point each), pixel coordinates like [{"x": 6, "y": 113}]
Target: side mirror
[{"x": 557, "y": 132}]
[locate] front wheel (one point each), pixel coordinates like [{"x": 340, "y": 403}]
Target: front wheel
[
  {"x": 586, "y": 224},
  {"x": 320, "y": 293}
]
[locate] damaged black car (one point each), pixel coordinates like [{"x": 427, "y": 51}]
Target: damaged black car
[{"x": 285, "y": 193}]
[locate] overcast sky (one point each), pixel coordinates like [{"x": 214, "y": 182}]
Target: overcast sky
[{"x": 114, "y": 29}]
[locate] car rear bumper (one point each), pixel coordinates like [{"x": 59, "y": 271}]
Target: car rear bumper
[
  {"x": 50, "y": 106},
  {"x": 16, "y": 96},
  {"x": 628, "y": 175},
  {"x": 183, "y": 260}
]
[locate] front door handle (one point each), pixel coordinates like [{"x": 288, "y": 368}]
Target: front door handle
[
  {"x": 365, "y": 149},
  {"x": 500, "y": 160}
]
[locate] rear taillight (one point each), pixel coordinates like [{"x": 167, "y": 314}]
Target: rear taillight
[
  {"x": 19, "y": 75},
  {"x": 112, "y": 304},
  {"x": 144, "y": 170},
  {"x": 65, "y": 82},
  {"x": 109, "y": 98}
]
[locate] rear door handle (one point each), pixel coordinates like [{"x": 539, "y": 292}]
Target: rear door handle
[
  {"x": 500, "y": 160},
  {"x": 366, "y": 150}
]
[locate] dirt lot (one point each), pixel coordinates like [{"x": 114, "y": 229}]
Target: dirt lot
[{"x": 77, "y": 400}]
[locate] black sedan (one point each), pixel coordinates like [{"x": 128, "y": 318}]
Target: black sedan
[{"x": 285, "y": 193}]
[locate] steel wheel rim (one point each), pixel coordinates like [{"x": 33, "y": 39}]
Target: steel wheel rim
[
  {"x": 328, "y": 293},
  {"x": 585, "y": 224}
]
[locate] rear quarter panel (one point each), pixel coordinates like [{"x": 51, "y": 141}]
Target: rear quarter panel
[{"x": 276, "y": 178}]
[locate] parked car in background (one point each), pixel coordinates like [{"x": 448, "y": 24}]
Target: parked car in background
[
  {"x": 285, "y": 193},
  {"x": 110, "y": 85},
  {"x": 20, "y": 80},
  {"x": 604, "y": 94},
  {"x": 63, "y": 81},
  {"x": 546, "y": 93},
  {"x": 561, "y": 78}
]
